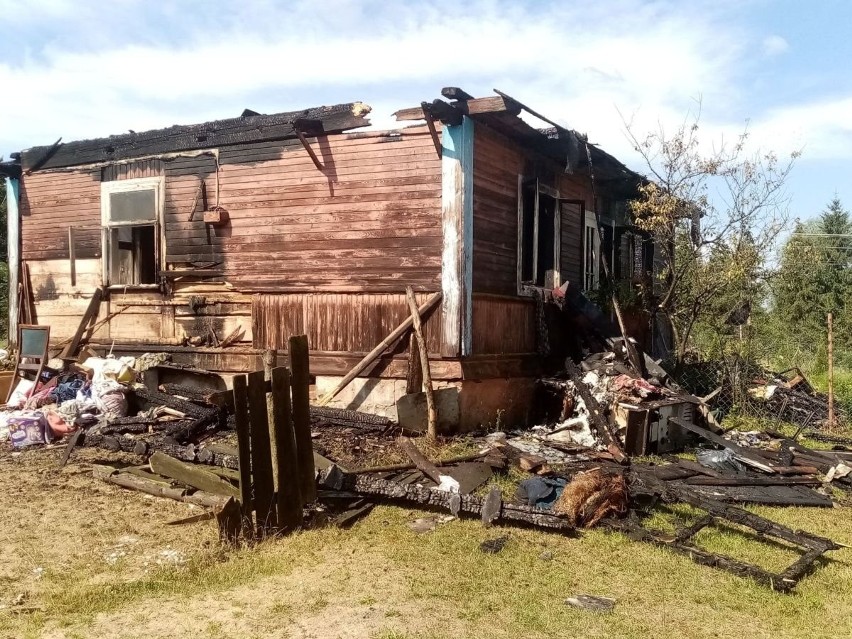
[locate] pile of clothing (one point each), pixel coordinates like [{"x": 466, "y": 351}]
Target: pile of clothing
[{"x": 64, "y": 402}]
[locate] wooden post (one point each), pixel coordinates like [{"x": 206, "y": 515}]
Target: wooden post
[
  {"x": 270, "y": 359},
  {"x": 241, "y": 421},
  {"x": 89, "y": 316},
  {"x": 830, "y": 373},
  {"x": 414, "y": 380},
  {"x": 261, "y": 455},
  {"x": 301, "y": 383},
  {"x": 72, "y": 257},
  {"x": 432, "y": 423},
  {"x": 289, "y": 501}
]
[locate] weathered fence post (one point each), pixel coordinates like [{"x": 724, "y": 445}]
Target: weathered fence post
[
  {"x": 241, "y": 423},
  {"x": 289, "y": 502},
  {"x": 261, "y": 454},
  {"x": 300, "y": 381}
]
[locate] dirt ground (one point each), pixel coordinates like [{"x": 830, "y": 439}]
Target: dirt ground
[{"x": 82, "y": 558}]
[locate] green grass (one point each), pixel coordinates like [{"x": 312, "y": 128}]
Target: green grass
[{"x": 443, "y": 586}]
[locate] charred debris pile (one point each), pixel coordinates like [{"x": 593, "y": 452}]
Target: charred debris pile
[{"x": 609, "y": 422}]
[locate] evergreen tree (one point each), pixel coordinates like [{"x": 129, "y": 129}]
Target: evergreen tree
[{"x": 814, "y": 279}]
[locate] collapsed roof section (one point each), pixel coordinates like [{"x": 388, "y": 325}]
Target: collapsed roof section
[
  {"x": 180, "y": 138},
  {"x": 501, "y": 113}
]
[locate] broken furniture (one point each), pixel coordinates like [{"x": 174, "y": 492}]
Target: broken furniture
[{"x": 33, "y": 343}]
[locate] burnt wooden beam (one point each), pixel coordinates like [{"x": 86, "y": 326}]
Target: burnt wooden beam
[
  {"x": 433, "y": 132},
  {"x": 42, "y": 157},
  {"x": 301, "y": 127},
  {"x": 196, "y": 137},
  {"x": 455, "y": 93},
  {"x": 471, "y": 505}
]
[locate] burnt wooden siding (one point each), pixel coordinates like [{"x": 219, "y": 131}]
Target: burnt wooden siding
[
  {"x": 496, "y": 166},
  {"x": 504, "y": 321},
  {"x": 341, "y": 243}
]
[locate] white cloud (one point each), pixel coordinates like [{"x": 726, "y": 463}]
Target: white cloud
[
  {"x": 774, "y": 45},
  {"x": 573, "y": 63}
]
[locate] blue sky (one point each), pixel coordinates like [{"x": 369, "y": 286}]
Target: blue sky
[{"x": 76, "y": 68}]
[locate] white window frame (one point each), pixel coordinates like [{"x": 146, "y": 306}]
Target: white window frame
[
  {"x": 590, "y": 226},
  {"x": 525, "y": 288},
  {"x": 157, "y": 184}
]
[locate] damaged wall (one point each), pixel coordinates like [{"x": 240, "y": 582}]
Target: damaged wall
[{"x": 364, "y": 226}]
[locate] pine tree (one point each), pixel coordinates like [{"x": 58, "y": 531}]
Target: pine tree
[{"x": 814, "y": 279}]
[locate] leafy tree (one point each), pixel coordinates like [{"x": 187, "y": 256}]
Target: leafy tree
[{"x": 715, "y": 215}]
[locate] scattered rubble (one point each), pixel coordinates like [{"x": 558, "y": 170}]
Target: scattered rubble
[{"x": 215, "y": 449}]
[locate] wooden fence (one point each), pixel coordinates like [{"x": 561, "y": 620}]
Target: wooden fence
[{"x": 272, "y": 415}]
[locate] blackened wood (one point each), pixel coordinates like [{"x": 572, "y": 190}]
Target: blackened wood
[
  {"x": 243, "y": 428},
  {"x": 398, "y": 467},
  {"x": 747, "y": 480},
  {"x": 153, "y": 398},
  {"x": 744, "y": 518},
  {"x": 208, "y": 135},
  {"x": 350, "y": 418},
  {"x": 690, "y": 531},
  {"x": 419, "y": 459},
  {"x": 704, "y": 558},
  {"x": 455, "y": 93},
  {"x": 301, "y": 406},
  {"x": 357, "y": 510},
  {"x": 289, "y": 499},
  {"x": 261, "y": 454},
  {"x": 186, "y": 392},
  {"x": 767, "y": 495},
  {"x": 698, "y": 468},
  {"x": 368, "y": 485}
]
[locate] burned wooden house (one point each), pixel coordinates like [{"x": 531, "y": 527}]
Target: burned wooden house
[{"x": 214, "y": 242}]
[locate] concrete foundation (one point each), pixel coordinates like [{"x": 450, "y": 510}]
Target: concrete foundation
[{"x": 493, "y": 404}]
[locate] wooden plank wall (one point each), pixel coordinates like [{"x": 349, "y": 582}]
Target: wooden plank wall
[
  {"x": 503, "y": 321},
  {"x": 502, "y": 325},
  {"x": 50, "y": 203},
  {"x": 368, "y": 221},
  {"x": 496, "y": 166},
  {"x": 497, "y": 163},
  {"x": 336, "y": 322}
]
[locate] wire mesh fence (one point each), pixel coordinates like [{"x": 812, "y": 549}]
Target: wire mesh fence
[{"x": 757, "y": 375}]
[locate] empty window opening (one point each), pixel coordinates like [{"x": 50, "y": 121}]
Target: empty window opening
[
  {"x": 131, "y": 211},
  {"x": 591, "y": 254},
  {"x": 539, "y": 235}
]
